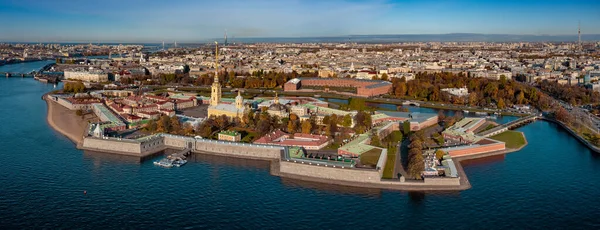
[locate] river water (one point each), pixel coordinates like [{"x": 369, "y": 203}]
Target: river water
[{"x": 551, "y": 183}]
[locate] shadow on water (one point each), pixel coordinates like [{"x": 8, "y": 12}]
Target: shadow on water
[
  {"x": 483, "y": 161},
  {"x": 332, "y": 188},
  {"x": 103, "y": 157},
  {"x": 228, "y": 161}
]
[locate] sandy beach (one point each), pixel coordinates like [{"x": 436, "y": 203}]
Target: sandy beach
[{"x": 66, "y": 121}]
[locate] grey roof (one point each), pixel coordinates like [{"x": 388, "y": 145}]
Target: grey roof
[
  {"x": 415, "y": 116},
  {"x": 228, "y": 107}
]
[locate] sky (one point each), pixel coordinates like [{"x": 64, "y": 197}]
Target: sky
[{"x": 197, "y": 20}]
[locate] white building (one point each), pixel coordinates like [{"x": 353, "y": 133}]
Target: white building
[
  {"x": 86, "y": 75},
  {"x": 459, "y": 92}
]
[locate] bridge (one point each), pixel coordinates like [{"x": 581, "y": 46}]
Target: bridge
[
  {"x": 411, "y": 103},
  {"x": 9, "y": 74},
  {"x": 510, "y": 125}
]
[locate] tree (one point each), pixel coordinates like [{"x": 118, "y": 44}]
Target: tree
[
  {"x": 188, "y": 129},
  {"x": 521, "y": 97},
  {"x": 292, "y": 126},
  {"x": 435, "y": 95},
  {"x": 406, "y": 127},
  {"x": 306, "y": 127},
  {"x": 416, "y": 144},
  {"x": 74, "y": 87},
  {"x": 175, "y": 126},
  {"x": 384, "y": 77},
  {"x": 439, "y": 154},
  {"x": 151, "y": 126},
  {"x": 79, "y": 112},
  {"x": 416, "y": 165},
  {"x": 376, "y": 141},
  {"x": 205, "y": 129},
  {"x": 347, "y": 122},
  {"x": 368, "y": 120},
  {"x": 441, "y": 115},
  {"x": 473, "y": 99},
  {"x": 357, "y": 104},
  {"x": 163, "y": 124},
  {"x": 501, "y": 104},
  {"x": 400, "y": 89},
  {"x": 325, "y": 120},
  {"x": 248, "y": 119}
]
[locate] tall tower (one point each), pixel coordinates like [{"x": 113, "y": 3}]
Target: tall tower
[
  {"x": 239, "y": 100},
  {"x": 579, "y": 35},
  {"x": 215, "y": 94},
  {"x": 225, "y": 37},
  {"x": 276, "y": 99}
]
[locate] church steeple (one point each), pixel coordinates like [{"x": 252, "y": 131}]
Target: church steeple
[
  {"x": 239, "y": 100},
  {"x": 215, "y": 94},
  {"x": 276, "y": 99}
]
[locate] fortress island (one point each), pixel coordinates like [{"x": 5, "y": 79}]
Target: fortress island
[{"x": 303, "y": 137}]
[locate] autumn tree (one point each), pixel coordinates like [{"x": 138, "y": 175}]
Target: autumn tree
[
  {"x": 439, "y": 154},
  {"x": 292, "y": 126},
  {"x": 175, "y": 125},
  {"x": 347, "y": 122},
  {"x": 306, "y": 127}
]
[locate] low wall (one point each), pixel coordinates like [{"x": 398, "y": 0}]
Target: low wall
[
  {"x": 363, "y": 178},
  {"x": 111, "y": 145},
  {"x": 330, "y": 173},
  {"x": 239, "y": 149},
  {"x": 477, "y": 149},
  {"x": 441, "y": 181},
  {"x": 179, "y": 142}
]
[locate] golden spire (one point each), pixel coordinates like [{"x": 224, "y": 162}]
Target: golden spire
[{"x": 216, "y": 61}]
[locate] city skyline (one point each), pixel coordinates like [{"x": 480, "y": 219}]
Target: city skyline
[{"x": 191, "y": 21}]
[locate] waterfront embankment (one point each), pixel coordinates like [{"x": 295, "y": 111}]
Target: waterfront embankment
[
  {"x": 66, "y": 122},
  {"x": 590, "y": 146}
]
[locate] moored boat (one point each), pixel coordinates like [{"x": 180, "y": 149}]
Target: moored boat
[{"x": 167, "y": 163}]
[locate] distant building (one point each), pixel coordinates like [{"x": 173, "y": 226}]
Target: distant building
[
  {"x": 228, "y": 135},
  {"x": 459, "y": 92},
  {"x": 86, "y": 75},
  {"x": 364, "y": 88},
  {"x": 307, "y": 141}
]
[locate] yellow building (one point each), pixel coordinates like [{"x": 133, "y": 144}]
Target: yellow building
[{"x": 217, "y": 108}]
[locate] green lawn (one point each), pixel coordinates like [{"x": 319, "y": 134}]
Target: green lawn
[
  {"x": 388, "y": 171},
  {"x": 370, "y": 157},
  {"x": 513, "y": 139}
]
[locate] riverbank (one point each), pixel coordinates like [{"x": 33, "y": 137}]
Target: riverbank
[
  {"x": 575, "y": 134},
  {"x": 66, "y": 122}
]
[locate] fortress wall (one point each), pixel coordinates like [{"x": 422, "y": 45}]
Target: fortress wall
[
  {"x": 239, "y": 149},
  {"x": 477, "y": 149},
  {"x": 62, "y": 102},
  {"x": 178, "y": 142},
  {"x": 441, "y": 181},
  {"x": 112, "y": 145},
  {"x": 330, "y": 173},
  {"x": 152, "y": 146}
]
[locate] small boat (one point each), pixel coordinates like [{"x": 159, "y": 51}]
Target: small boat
[
  {"x": 167, "y": 163},
  {"x": 179, "y": 162},
  {"x": 465, "y": 111},
  {"x": 481, "y": 113}
]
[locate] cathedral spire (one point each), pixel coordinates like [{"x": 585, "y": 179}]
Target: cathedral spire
[
  {"x": 215, "y": 94},
  {"x": 216, "y": 62}
]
